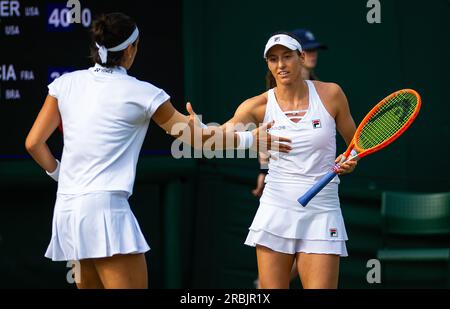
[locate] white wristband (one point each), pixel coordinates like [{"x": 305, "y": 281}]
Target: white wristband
[
  {"x": 55, "y": 173},
  {"x": 245, "y": 139}
]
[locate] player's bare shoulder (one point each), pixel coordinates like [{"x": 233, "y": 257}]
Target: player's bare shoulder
[
  {"x": 331, "y": 95},
  {"x": 327, "y": 90}
]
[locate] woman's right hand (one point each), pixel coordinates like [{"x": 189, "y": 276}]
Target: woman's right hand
[{"x": 263, "y": 141}]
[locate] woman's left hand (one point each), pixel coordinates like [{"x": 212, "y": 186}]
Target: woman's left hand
[{"x": 347, "y": 167}]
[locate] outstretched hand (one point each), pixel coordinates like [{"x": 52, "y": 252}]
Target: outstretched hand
[
  {"x": 189, "y": 108},
  {"x": 194, "y": 120},
  {"x": 192, "y": 115},
  {"x": 264, "y": 141}
]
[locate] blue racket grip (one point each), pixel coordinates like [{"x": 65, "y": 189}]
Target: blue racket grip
[{"x": 304, "y": 200}]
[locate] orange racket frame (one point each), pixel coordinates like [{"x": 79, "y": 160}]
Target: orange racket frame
[
  {"x": 360, "y": 153},
  {"x": 365, "y": 152}
]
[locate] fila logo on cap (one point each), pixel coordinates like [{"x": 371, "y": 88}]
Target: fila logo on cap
[{"x": 276, "y": 39}]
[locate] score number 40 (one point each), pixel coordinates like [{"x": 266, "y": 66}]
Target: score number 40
[{"x": 62, "y": 17}]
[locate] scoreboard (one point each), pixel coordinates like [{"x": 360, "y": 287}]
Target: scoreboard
[{"x": 41, "y": 40}]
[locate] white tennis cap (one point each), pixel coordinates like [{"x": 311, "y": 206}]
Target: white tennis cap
[{"x": 284, "y": 40}]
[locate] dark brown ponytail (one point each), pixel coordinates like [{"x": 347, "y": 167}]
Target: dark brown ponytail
[{"x": 110, "y": 30}]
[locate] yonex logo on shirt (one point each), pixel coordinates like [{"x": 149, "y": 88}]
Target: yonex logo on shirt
[{"x": 103, "y": 70}]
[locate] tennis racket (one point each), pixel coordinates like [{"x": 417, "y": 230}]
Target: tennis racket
[{"x": 383, "y": 124}]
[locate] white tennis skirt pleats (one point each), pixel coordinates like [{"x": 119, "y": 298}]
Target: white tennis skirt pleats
[{"x": 94, "y": 225}]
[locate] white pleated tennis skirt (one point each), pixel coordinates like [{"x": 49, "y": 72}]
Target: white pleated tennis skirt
[
  {"x": 283, "y": 225},
  {"x": 94, "y": 225}
]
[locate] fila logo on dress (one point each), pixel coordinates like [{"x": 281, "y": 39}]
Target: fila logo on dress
[
  {"x": 317, "y": 124},
  {"x": 333, "y": 232}
]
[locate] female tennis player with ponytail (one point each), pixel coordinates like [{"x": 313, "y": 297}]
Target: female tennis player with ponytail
[
  {"x": 309, "y": 113},
  {"x": 106, "y": 114}
]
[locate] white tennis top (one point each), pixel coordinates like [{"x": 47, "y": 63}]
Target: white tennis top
[
  {"x": 313, "y": 142},
  {"x": 291, "y": 175},
  {"x": 105, "y": 115}
]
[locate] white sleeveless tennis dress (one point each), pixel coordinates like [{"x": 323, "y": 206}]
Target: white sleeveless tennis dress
[
  {"x": 281, "y": 223},
  {"x": 105, "y": 115}
]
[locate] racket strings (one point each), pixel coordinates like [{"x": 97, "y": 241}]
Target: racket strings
[
  {"x": 386, "y": 121},
  {"x": 389, "y": 119},
  {"x": 391, "y": 125},
  {"x": 388, "y": 124}
]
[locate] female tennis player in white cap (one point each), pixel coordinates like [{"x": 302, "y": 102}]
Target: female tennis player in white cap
[
  {"x": 105, "y": 114},
  {"x": 308, "y": 112},
  {"x": 310, "y": 47}
]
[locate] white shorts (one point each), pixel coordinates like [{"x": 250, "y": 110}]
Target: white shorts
[
  {"x": 94, "y": 225},
  {"x": 292, "y": 246}
]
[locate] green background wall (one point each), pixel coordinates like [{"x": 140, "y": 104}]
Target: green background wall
[{"x": 195, "y": 213}]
